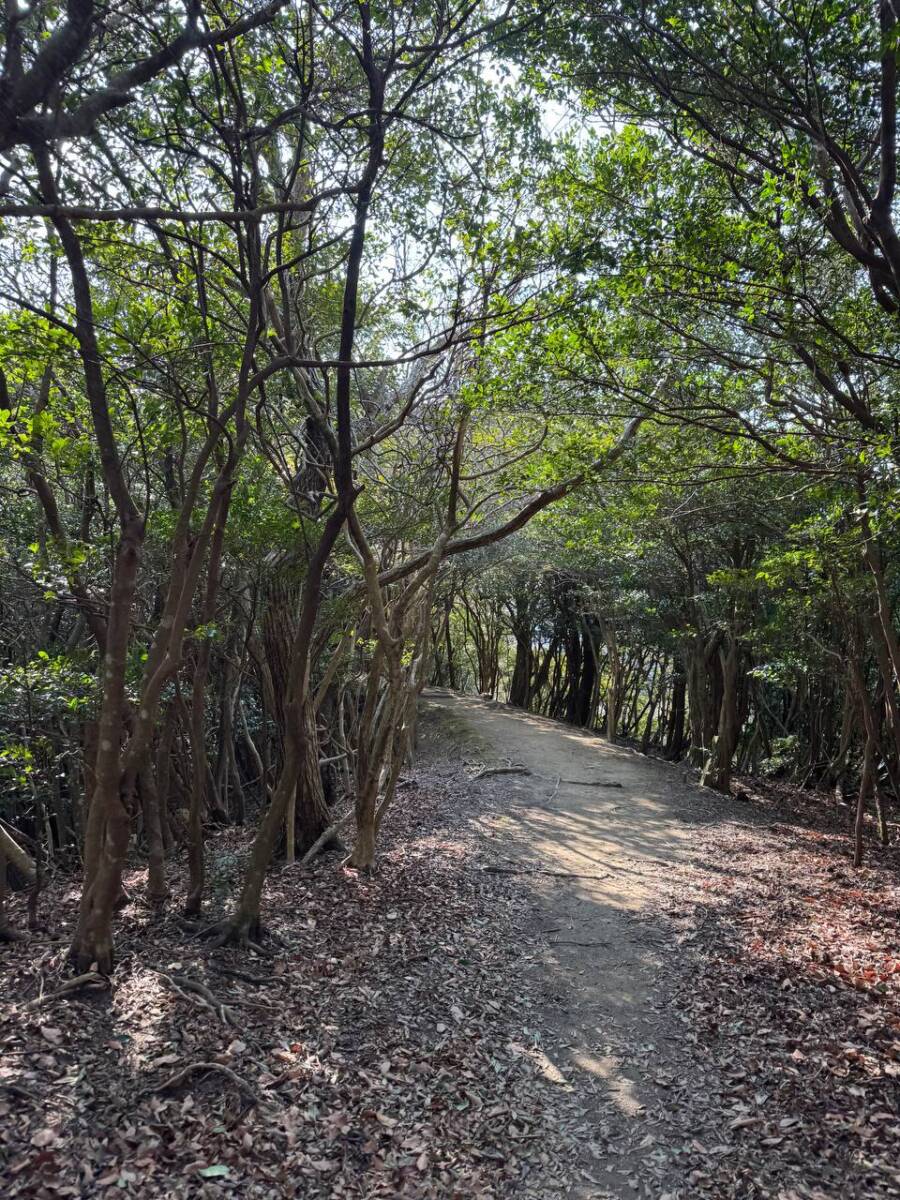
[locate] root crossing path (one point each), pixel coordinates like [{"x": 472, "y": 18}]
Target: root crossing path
[{"x": 594, "y": 834}]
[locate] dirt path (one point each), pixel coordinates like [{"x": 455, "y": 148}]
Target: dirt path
[
  {"x": 547, "y": 989},
  {"x": 603, "y": 828}
]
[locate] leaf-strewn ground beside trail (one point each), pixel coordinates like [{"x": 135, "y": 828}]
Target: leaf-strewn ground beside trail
[
  {"x": 385, "y": 1047},
  {"x": 390, "y": 1045},
  {"x": 785, "y": 964}
]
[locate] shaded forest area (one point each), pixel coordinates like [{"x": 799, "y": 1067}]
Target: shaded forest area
[{"x": 545, "y": 351}]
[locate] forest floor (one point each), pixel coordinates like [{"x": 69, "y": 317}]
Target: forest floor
[{"x": 589, "y": 980}]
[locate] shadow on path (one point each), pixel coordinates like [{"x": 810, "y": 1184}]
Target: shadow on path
[{"x": 593, "y": 862}]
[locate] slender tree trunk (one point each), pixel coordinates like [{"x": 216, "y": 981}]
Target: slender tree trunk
[
  {"x": 253, "y": 752},
  {"x": 109, "y": 821},
  {"x": 675, "y": 732},
  {"x": 452, "y": 675},
  {"x": 200, "y": 796},
  {"x": 717, "y": 770},
  {"x": 312, "y": 816},
  {"x": 15, "y": 856},
  {"x": 164, "y": 775},
  {"x": 586, "y": 682},
  {"x": 614, "y": 684},
  {"x": 865, "y": 784},
  {"x": 521, "y": 674},
  {"x": 6, "y": 933},
  {"x": 881, "y": 810},
  {"x": 244, "y": 923},
  {"x": 197, "y": 810},
  {"x": 157, "y": 891},
  {"x": 873, "y": 560}
]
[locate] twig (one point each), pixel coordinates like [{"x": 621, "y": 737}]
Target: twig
[{"x": 324, "y": 762}]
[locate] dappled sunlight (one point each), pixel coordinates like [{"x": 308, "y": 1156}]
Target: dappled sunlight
[{"x": 622, "y": 1089}]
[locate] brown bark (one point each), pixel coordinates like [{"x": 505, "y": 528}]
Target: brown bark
[
  {"x": 889, "y": 684},
  {"x": 109, "y": 822},
  {"x": 6, "y": 933},
  {"x": 199, "y": 797},
  {"x": 164, "y": 775},
  {"x": 307, "y": 813},
  {"x": 157, "y": 891},
  {"x": 717, "y": 769},
  {"x": 387, "y": 722},
  {"x": 311, "y": 810},
  {"x": 873, "y": 560},
  {"x": 865, "y": 784},
  {"x": 16, "y": 857},
  {"x": 675, "y": 728},
  {"x": 614, "y": 680},
  {"x": 245, "y": 921}
]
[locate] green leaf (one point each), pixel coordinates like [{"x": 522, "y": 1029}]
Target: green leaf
[{"x": 216, "y": 1171}]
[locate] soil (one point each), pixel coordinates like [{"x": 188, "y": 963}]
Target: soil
[
  {"x": 704, "y": 970},
  {"x": 608, "y": 825}
]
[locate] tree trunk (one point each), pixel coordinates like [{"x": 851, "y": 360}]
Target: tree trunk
[
  {"x": 584, "y": 702},
  {"x": 17, "y": 858},
  {"x": 313, "y": 816},
  {"x": 157, "y": 891},
  {"x": 197, "y": 810},
  {"x": 6, "y": 934},
  {"x": 864, "y": 786},
  {"x": 452, "y": 675},
  {"x": 717, "y": 769},
  {"x": 675, "y": 730},
  {"x": 244, "y": 923},
  {"x": 521, "y": 674},
  {"x": 614, "y": 683},
  {"x": 109, "y": 821},
  {"x": 362, "y": 857}
]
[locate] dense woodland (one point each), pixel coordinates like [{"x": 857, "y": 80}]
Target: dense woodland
[{"x": 544, "y": 351}]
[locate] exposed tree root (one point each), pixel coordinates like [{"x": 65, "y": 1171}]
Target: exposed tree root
[
  {"x": 185, "y": 1073},
  {"x": 598, "y": 783},
  {"x": 566, "y": 942},
  {"x": 365, "y": 867},
  {"x": 539, "y": 871},
  {"x": 232, "y": 931},
  {"x": 243, "y": 976},
  {"x": 183, "y": 984},
  {"x": 99, "y": 956},
  {"x": 88, "y": 979},
  {"x": 486, "y": 771},
  {"x": 326, "y": 838},
  {"x": 16, "y": 1089}
]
